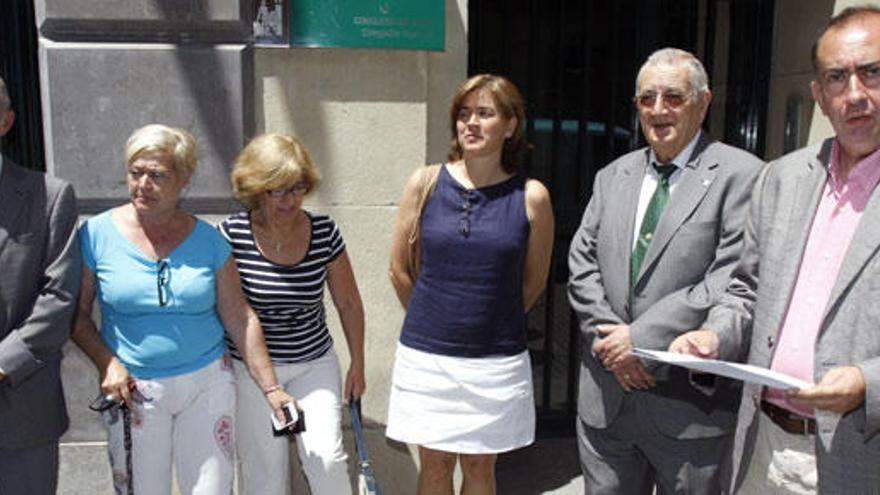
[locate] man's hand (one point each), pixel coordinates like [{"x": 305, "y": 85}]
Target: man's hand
[
  {"x": 632, "y": 375},
  {"x": 615, "y": 346},
  {"x": 700, "y": 343},
  {"x": 841, "y": 390},
  {"x": 615, "y": 351}
]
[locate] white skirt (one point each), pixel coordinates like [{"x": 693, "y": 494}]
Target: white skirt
[{"x": 462, "y": 405}]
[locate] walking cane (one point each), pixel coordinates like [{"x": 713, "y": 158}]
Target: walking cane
[
  {"x": 126, "y": 444},
  {"x": 366, "y": 481},
  {"x": 103, "y": 403}
]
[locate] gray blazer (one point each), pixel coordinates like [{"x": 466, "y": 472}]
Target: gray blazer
[
  {"x": 750, "y": 316},
  {"x": 685, "y": 270},
  {"x": 39, "y": 285}
]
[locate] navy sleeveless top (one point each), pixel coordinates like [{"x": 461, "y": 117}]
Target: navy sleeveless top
[{"x": 468, "y": 298}]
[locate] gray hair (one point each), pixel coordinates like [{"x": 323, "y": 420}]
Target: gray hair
[
  {"x": 5, "y": 102},
  {"x": 697, "y": 76}
]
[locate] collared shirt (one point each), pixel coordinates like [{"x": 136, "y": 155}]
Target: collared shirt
[
  {"x": 649, "y": 183},
  {"x": 834, "y": 226}
]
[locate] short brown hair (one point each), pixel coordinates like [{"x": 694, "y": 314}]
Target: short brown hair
[
  {"x": 177, "y": 143},
  {"x": 843, "y": 18},
  {"x": 510, "y": 104},
  {"x": 271, "y": 161}
]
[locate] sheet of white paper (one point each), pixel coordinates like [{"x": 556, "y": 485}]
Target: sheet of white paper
[{"x": 744, "y": 372}]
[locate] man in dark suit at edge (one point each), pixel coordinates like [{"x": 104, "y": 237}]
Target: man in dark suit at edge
[
  {"x": 39, "y": 285},
  {"x": 655, "y": 249}
]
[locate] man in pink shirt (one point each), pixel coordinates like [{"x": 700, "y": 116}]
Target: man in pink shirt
[{"x": 805, "y": 299}]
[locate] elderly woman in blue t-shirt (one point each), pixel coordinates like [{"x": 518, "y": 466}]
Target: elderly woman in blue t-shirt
[{"x": 167, "y": 288}]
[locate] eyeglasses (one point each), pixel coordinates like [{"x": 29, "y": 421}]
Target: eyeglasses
[
  {"x": 464, "y": 223},
  {"x": 670, "y": 99},
  {"x": 163, "y": 276},
  {"x": 296, "y": 190},
  {"x": 835, "y": 81}
]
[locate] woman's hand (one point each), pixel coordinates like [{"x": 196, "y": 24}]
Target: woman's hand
[
  {"x": 539, "y": 250},
  {"x": 116, "y": 381},
  {"x": 355, "y": 384},
  {"x": 347, "y": 299},
  {"x": 277, "y": 399}
]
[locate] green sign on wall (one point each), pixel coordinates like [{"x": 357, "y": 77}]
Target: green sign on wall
[{"x": 404, "y": 24}]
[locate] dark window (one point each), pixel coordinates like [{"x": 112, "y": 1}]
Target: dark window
[{"x": 18, "y": 67}]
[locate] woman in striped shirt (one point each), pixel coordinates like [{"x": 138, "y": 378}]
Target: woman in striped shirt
[{"x": 285, "y": 255}]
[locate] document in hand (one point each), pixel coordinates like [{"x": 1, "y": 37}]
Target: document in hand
[{"x": 737, "y": 371}]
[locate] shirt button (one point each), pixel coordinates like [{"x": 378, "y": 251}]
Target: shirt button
[{"x": 648, "y": 236}]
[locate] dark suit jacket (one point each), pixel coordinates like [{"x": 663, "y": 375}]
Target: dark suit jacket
[
  {"x": 750, "y": 316},
  {"x": 39, "y": 285},
  {"x": 686, "y": 268}
]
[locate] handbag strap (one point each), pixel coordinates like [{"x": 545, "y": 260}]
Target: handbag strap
[
  {"x": 363, "y": 456},
  {"x": 427, "y": 183}
]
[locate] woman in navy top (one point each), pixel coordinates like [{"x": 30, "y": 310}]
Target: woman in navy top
[{"x": 461, "y": 388}]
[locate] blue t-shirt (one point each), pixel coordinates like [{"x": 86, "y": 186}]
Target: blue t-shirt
[{"x": 152, "y": 340}]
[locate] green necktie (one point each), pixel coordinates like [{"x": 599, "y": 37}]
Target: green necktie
[{"x": 651, "y": 219}]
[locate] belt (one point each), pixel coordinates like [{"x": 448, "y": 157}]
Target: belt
[{"x": 789, "y": 421}]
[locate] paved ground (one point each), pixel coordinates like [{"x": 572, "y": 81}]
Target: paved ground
[{"x": 550, "y": 466}]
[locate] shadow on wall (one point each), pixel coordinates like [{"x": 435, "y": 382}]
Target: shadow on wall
[
  {"x": 348, "y": 106},
  {"x": 219, "y": 112},
  {"x": 361, "y": 111}
]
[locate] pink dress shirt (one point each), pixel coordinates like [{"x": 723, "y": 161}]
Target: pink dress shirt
[{"x": 834, "y": 225}]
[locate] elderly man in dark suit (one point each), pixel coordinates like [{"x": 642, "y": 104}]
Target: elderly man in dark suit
[
  {"x": 804, "y": 300},
  {"x": 39, "y": 262},
  {"x": 658, "y": 241}
]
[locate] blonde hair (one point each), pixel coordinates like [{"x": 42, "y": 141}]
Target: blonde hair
[
  {"x": 271, "y": 161},
  {"x": 157, "y": 138}
]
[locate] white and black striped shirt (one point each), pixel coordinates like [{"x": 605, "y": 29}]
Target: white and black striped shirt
[{"x": 288, "y": 299}]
